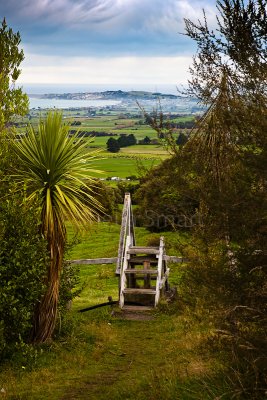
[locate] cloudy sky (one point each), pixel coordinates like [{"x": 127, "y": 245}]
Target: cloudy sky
[{"x": 105, "y": 41}]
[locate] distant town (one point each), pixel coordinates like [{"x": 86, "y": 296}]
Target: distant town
[{"x": 126, "y": 100}]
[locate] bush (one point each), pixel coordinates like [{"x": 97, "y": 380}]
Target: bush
[
  {"x": 165, "y": 198},
  {"x": 23, "y": 261}
]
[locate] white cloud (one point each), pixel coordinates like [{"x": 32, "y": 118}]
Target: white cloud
[
  {"x": 95, "y": 70},
  {"x": 64, "y": 11},
  {"x": 118, "y": 15}
]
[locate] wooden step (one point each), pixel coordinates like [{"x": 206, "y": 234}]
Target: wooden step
[
  {"x": 139, "y": 291},
  {"x": 141, "y": 259},
  {"x": 141, "y": 271},
  {"x": 137, "y": 308},
  {"x": 143, "y": 250}
]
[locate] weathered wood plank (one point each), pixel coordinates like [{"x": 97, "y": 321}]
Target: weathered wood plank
[
  {"x": 123, "y": 233},
  {"x": 113, "y": 260},
  {"x": 160, "y": 270},
  {"x": 139, "y": 291},
  {"x": 123, "y": 278},
  {"x": 147, "y": 280},
  {"x": 145, "y": 250},
  {"x": 137, "y": 308},
  {"x": 165, "y": 277},
  {"x": 141, "y": 271},
  {"x": 141, "y": 259}
]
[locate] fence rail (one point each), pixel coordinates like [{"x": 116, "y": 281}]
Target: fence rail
[{"x": 114, "y": 260}]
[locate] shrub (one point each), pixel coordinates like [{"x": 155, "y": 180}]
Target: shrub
[{"x": 23, "y": 262}]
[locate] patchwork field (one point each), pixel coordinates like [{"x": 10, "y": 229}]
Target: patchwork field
[{"x": 126, "y": 162}]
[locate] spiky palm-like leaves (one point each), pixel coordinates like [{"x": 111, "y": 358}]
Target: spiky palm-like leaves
[{"x": 54, "y": 165}]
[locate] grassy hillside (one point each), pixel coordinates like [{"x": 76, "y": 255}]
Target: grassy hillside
[{"x": 100, "y": 355}]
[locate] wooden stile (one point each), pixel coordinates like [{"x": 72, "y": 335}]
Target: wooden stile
[{"x": 137, "y": 266}]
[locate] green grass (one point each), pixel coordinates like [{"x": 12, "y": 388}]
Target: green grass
[
  {"x": 120, "y": 166},
  {"x": 155, "y": 150},
  {"x": 101, "y": 356}
]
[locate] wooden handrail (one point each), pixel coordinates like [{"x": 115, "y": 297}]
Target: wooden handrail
[{"x": 127, "y": 229}]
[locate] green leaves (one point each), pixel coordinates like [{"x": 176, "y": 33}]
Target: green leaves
[
  {"x": 13, "y": 101},
  {"x": 54, "y": 166},
  {"x": 23, "y": 265}
]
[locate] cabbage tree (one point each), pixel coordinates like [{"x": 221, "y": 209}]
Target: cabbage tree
[{"x": 53, "y": 168}]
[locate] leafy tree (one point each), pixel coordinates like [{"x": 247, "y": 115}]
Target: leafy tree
[
  {"x": 54, "y": 166},
  {"x": 23, "y": 252},
  {"x": 182, "y": 139},
  {"x": 113, "y": 145},
  {"x": 146, "y": 140},
  {"x": 165, "y": 198},
  {"x": 225, "y": 176},
  {"x": 238, "y": 49},
  {"x": 13, "y": 101},
  {"x": 126, "y": 140},
  {"x": 229, "y": 158},
  {"x": 131, "y": 140},
  {"x": 23, "y": 257}
]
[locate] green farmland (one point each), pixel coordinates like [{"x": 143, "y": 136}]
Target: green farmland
[{"x": 122, "y": 164}]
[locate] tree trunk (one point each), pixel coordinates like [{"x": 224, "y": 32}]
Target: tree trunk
[{"x": 45, "y": 316}]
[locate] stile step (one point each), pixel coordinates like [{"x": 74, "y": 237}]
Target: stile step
[
  {"x": 143, "y": 250},
  {"x": 139, "y": 291},
  {"x": 137, "y": 308},
  {"x": 142, "y": 271},
  {"x": 141, "y": 259}
]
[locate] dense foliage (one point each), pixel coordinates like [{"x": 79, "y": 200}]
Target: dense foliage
[
  {"x": 225, "y": 176},
  {"x": 114, "y": 145},
  {"x": 23, "y": 263},
  {"x": 13, "y": 100},
  {"x": 164, "y": 197}
]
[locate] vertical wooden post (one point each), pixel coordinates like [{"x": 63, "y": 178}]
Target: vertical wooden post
[
  {"x": 159, "y": 276},
  {"x": 123, "y": 232},
  {"x": 123, "y": 280},
  {"x": 147, "y": 280}
]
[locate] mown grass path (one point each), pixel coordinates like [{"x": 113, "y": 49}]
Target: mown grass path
[{"x": 111, "y": 358}]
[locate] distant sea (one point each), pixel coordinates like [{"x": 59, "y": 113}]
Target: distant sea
[
  {"x": 62, "y": 103},
  {"x": 33, "y": 89}
]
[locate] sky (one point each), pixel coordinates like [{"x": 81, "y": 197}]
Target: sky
[{"x": 105, "y": 41}]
